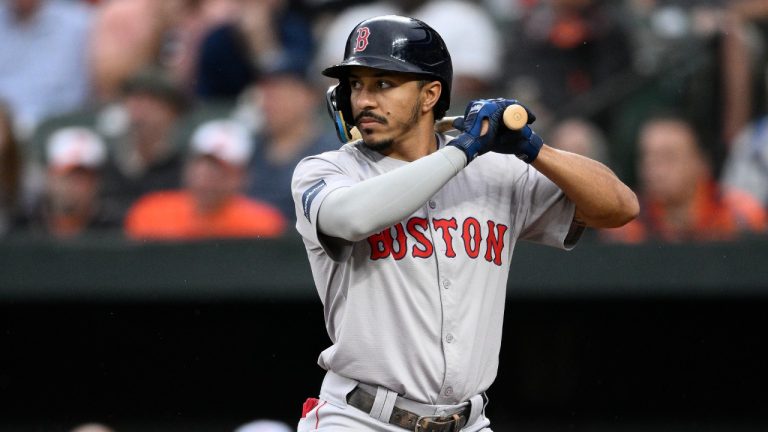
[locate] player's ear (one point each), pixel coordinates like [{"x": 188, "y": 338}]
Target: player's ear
[{"x": 430, "y": 93}]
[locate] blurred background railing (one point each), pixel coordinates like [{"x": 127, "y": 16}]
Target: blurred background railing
[{"x": 277, "y": 270}]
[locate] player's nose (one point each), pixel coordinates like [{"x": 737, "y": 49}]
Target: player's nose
[{"x": 364, "y": 99}]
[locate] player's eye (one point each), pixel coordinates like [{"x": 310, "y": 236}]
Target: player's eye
[
  {"x": 355, "y": 84},
  {"x": 383, "y": 84}
]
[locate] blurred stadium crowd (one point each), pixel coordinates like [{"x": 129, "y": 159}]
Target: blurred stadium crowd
[{"x": 183, "y": 119}]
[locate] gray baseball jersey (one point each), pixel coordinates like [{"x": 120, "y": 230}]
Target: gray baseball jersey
[{"x": 418, "y": 307}]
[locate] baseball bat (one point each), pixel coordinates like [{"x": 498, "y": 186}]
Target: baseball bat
[{"x": 514, "y": 117}]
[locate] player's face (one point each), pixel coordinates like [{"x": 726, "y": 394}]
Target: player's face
[{"x": 386, "y": 105}]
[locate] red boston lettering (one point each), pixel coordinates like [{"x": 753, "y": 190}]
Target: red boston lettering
[
  {"x": 426, "y": 249},
  {"x": 417, "y": 237},
  {"x": 445, "y": 225},
  {"x": 495, "y": 242},
  {"x": 381, "y": 244},
  {"x": 402, "y": 243},
  {"x": 472, "y": 237}
]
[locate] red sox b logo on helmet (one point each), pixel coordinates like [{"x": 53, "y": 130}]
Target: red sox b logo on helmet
[{"x": 362, "y": 39}]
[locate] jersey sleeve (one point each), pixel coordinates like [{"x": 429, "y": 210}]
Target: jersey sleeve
[
  {"x": 313, "y": 179},
  {"x": 549, "y": 214}
]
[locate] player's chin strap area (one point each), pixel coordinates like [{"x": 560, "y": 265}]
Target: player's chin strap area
[{"x": 343, "y": 130}]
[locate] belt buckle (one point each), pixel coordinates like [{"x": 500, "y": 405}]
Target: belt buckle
[{"x": 439, "y": 423}]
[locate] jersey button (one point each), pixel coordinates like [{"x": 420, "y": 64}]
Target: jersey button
[
  {"x": 446, "y": 283},
  {"x": 449, "y": 391},
  {"x": 449, "y": 337},
  {"x": 432, "y": 204}
]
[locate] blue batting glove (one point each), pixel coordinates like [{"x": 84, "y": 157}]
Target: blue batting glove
[
  {"x": 470, "y": 141},
  {"x": 523, "y": 143}
]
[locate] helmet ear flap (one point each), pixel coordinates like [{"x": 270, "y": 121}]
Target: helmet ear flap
[{"x": 339, "y": 108}]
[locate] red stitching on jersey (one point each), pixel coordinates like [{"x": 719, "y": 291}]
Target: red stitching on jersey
[{"x": 317, "y": 414}]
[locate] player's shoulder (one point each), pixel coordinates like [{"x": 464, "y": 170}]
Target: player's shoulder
[{"x": 347, "y": 153}]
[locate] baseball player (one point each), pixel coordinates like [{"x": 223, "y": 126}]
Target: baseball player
[{"x": 410, "y": 234}]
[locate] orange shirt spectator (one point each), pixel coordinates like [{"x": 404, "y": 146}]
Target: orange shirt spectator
[
  {"x": 712, "y": 215},
  {"x": 175, "y": 215},
  {"x": 680, "y": 200},
  {"x": 211, "y": 205}
]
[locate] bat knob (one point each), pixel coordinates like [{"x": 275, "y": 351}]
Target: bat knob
[
  {"x": 355, "y": 134},
  {"x": 515, "y": 117}
]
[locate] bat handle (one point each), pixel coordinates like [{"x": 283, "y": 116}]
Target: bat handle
[{"x": 515, "y": 117}]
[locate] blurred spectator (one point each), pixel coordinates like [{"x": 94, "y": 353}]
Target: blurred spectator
[
  {"x": 265, "y": 35},
  {"x": 746, "y": 79},
  {"x": 126, "y": 38},
  {"x": 680, "y": 200},
  {"x": 188, "y": 22},
  {"x": 131, "y": 35},
  {"x": 662, "y": 30},
  {"x": 291, "y": 131},
  {"x": 43, "y": 66},
  {"x": 746, "y": 166},
  {"x": 264, "y": 426},
  {"x": 564, "y": 49},
  {"x": 475, "y": 45},
  {"x": 580, "y": 136},
  {"x": 10, "y": 171},
  {"x": 144, "y": 156},
  {"x": 670, "y": 66},
  {"x": 740, "y": 46},
  {"x": 71, "y": 204},
  {"x": 211, "y": 204}
]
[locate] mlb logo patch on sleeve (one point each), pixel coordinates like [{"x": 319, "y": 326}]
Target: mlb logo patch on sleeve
[{"x": 309, "y": 196}]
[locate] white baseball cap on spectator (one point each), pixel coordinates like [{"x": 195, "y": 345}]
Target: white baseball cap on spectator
[
  {"x": 226, "y": 140},
  {"x": 478, "y": 56},
  {"x": 75, "y": 147}
]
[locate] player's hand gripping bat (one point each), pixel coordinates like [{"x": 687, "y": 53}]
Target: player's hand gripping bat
[{"x": 515, "y": 117}]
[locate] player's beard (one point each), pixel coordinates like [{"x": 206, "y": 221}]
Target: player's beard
[{"x": 387, "y": 143}]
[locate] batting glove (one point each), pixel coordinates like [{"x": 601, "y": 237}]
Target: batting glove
[
  {"x": 470, "y": 141},
  {"x": 523, "y": 143}
]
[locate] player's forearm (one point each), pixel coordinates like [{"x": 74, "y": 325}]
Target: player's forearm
[
  {"x": 367, "y": 207},
  {"x": 602, "y": 200}
]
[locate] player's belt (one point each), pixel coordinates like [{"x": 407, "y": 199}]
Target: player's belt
[{"x": 363, "y": 401}]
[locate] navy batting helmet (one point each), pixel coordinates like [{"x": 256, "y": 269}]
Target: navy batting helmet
[{"x": 391, "y": 43}]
